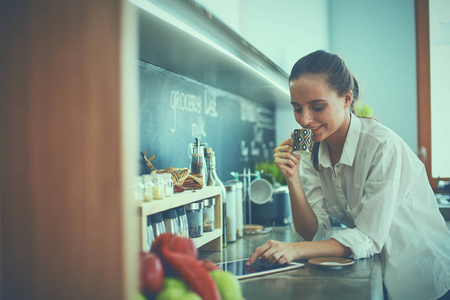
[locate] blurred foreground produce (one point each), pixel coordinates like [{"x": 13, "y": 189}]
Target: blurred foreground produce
[{"x": 183, "y": 275}]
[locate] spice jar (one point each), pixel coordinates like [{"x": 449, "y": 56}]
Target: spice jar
[
  {"x": 158, "y": 224},
  {"x": 182, "y": 221},
  {"x": 208, "y": 214},
  {"x": 138, "y": 189},
  {"x": 169, "y": 184},
  {"x": 159, "y": 186},
  {"x": 150, "y": 234},
  {"x": 171, "y": 222},
  {"x": 148, "y": 187},
  {"x": 194, "y": 213}
]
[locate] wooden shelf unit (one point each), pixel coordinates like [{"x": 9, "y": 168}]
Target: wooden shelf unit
[{"x": 210, "y": 241}]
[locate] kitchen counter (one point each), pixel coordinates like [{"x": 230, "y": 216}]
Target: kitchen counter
[{"x": 362, "y": 280}]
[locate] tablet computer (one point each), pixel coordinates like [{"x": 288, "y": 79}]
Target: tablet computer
[{"x": 242, "y": 271}]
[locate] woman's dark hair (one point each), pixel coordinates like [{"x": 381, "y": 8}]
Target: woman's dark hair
[{"x": 332, "y": 69}]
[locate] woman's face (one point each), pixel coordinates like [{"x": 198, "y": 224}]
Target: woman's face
[{"x": 320, "y": 109}]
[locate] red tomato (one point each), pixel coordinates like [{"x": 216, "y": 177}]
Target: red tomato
[{"x": 152, "y": 273}]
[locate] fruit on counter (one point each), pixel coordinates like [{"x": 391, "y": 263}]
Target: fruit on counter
[
  {"x": 176, "y": 289},
  {"x": 139, "y": 296},
  {"x": 180, "y": 259},
  {"x": 209, "y": 265},
  {"x": 152, "y": 273},
  {"x": 175, "y": 243},
  {"x": 228, "y": 284}
]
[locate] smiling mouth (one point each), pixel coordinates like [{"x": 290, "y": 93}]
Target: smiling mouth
[{"x": 315, "y": 129}]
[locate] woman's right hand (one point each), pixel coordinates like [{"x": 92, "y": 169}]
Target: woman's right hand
[{"x": 286, "y": 161}]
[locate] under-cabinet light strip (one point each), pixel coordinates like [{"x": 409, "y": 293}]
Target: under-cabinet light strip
[{"x": 163, "y": 15}]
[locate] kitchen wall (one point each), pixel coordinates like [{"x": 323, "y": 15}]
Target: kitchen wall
[
  {"x": 377, "y": 41},
  {"x": 375, "y": 38}
]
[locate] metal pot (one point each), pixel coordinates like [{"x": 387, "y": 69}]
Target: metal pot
[{"x": 276, "y": 212}]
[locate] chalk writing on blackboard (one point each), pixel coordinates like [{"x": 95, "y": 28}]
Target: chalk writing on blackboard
[{"x": 180, "y": 101}]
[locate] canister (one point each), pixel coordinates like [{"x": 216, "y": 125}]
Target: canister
[
  {"x": 239, "y": 209},
  {"x": 231, "y": 212},
  {"x": 158, "y": 224},
  {"x": 171, "y": 222},
  {"x": 208, "y": 214},
  {"x": 194, "y": 213},
  {"x": 182, "y": 221}
]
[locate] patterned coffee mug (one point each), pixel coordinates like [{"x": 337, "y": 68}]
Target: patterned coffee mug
[{"x": 302, "y": 141}]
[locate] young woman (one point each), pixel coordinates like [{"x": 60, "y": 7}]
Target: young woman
[{"x": 364, "y": 175}]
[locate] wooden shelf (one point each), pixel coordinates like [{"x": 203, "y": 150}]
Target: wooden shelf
[
  {"x": 209, "y": 241},
  {"x": 186, "y": 197}
]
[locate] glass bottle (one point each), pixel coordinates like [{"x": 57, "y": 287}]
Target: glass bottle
[
  {"x": 213, "y": 180},
  {"x": 169, "y": 184},
  {"x": 182, "y": 221},
  {"x": 158, "y": 224},
  {"x": 170, "y": 221}
]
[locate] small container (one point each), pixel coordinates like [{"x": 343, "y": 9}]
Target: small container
[
  {"x": 171, "y": 222},
  {"x": 194, "y": 213},
  {"x": 150, "y": 234},
  {"x": 231, "y": 212},
  {"x": 239, "y": 209},
  {"x": 138, "y": 189},
  {"x": 159, "y": 186},
  {"x": 148, "y": 187},
  {"x": 208, "y": 214},
  {"x": 169, "y": 184},
  {"x": 158, "y": 224},
  {"x": 182, "y": 221}
]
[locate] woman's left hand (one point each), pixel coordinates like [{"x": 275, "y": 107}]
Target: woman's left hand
[{"x": 274, "y": 251}]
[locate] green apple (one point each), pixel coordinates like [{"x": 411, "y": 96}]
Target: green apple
[
  {"x": 228, "y": 285},
  {"x": 176, "y": 289},
  {"x": 170, "y": 282}
]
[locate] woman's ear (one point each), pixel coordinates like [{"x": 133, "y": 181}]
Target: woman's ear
[{"x": 348, "y": 99}]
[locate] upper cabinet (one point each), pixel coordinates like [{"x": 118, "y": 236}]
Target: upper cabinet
[{"x": 182, "y": 37}]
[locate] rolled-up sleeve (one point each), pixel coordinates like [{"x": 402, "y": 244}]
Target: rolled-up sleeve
[{"x": 359, "y": 243}]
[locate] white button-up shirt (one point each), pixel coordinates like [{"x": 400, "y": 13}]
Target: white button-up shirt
[{"x": 380, "y": 191}]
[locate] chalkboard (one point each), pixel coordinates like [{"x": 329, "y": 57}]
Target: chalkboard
[{"x": 174, "y": 110}]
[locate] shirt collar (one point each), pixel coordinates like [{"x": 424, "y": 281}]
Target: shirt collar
[{"x": 351, "y": 142}]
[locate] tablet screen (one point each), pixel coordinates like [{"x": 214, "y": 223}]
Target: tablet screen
[{"x": 239, "y": 268}]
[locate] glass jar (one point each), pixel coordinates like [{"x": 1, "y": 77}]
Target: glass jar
[
  {"x": 158, "y": 224},
  {"x": 169, "y": 184},
  {"x": 148, "y": 187},
  {"x": 138, "y": 189},
  {"x": 208, "y": 214},
  {"x": 171, "y": 222},
  {"x": 197, "y": 156},
  {"x": 159, "y": 186},
  {"x": 150, "y": 234},
  {"x": 194, "y": 213},
  {"x": 182, "y": 221}
]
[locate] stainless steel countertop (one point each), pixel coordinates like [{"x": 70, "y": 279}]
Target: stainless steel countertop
[{"x": 362, "y": 280}]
